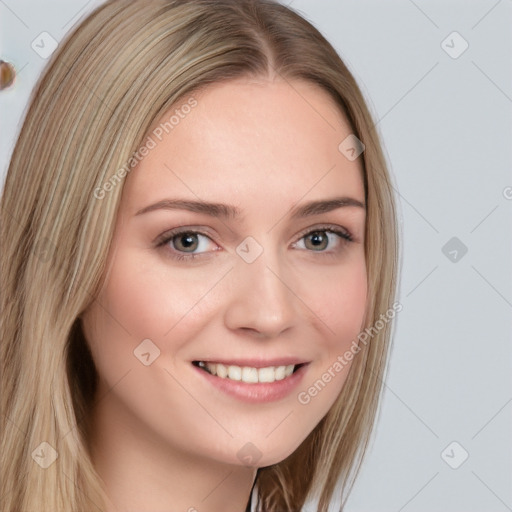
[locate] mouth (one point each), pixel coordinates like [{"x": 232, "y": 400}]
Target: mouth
[{"x": 248, "y": 374}]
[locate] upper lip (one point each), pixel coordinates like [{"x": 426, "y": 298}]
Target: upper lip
[{"x": 256, "y": 362}]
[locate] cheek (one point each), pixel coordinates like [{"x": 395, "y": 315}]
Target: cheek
[
  {"x": 150, "y": 300},
  {"x": 339, "y": 296},
  {"x": 130, "y": 308},
  {"x": 136, "y": 303},
  {"x": 142, "y": 300},
  {"x": 340, "y": 299}
]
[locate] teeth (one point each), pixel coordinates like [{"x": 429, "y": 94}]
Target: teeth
[
  {"x": 247, "y": 373},
  {"x": 218, "y": 369},
  {"x": 266, "y": 375},
  {"x": 280, "y": 372},
  {"x": 235, "y": 372}
]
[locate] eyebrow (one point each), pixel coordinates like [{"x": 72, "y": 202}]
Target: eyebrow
[{"x": 229, "y": 211}]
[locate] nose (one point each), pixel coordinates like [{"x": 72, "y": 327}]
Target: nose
[{"x": 262, "y": 301}]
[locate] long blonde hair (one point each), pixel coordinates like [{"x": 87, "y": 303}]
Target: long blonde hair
[{"x": 123, "y": 67}]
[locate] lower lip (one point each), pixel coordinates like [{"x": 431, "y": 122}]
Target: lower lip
[{"x": 260, "y": 392}]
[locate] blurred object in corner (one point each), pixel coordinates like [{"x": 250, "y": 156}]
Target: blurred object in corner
[{"x": 7, "y": 74}]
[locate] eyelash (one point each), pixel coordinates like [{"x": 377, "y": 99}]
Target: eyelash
[{"x": 344, "y": 235}]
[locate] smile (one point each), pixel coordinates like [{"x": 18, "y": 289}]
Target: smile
[{"x": 248, "y": 374}]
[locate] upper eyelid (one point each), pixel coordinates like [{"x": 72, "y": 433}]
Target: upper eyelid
[
  {"x": 169, "y": 234},
  {"x": 325, "y": 227}
]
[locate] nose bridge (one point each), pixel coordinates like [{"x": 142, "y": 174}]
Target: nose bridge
[{"x": 261, "y": 298}]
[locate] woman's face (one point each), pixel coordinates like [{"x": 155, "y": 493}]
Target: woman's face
[{"x": 281, "y": 281}]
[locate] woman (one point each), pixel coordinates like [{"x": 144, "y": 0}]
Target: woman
[{"x": 199, "y": 267}]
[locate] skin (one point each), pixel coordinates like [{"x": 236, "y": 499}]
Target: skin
[{"x": 163, "y": 437}]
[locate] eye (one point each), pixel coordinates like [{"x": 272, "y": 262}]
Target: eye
[
  {"x": 185, "y": 243},
  {"x": 321, "y": 238}
]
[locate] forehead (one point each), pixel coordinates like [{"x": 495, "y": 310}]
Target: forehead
[{"x": 247, "y": 139}]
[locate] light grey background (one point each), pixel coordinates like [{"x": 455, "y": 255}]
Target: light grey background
[{"x": 447, "y": 130}]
